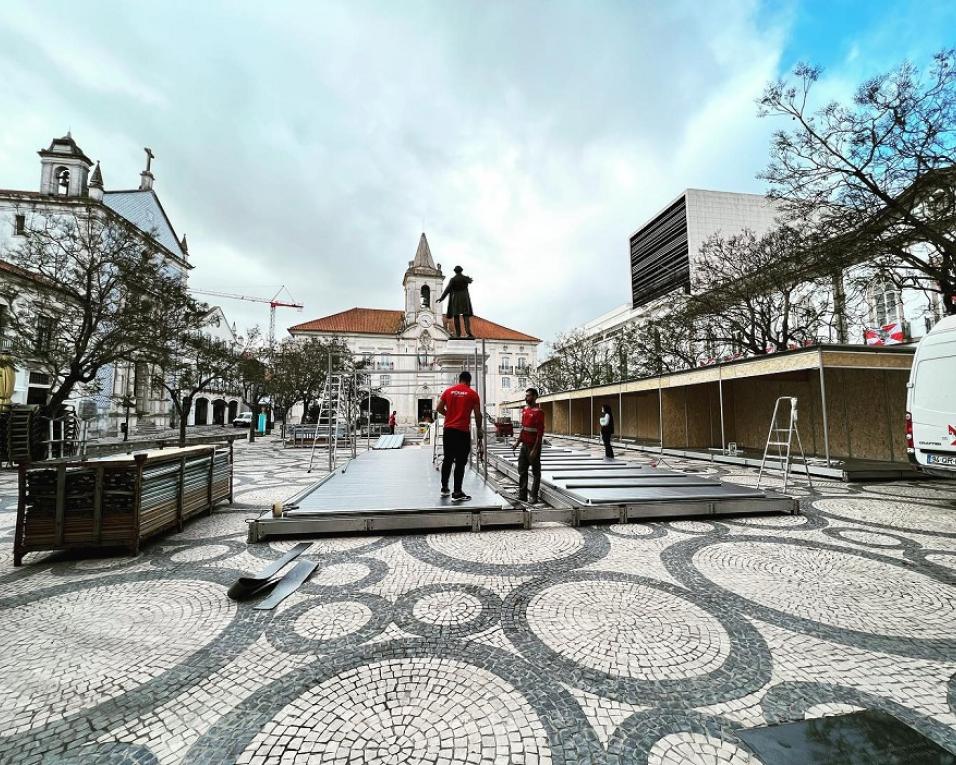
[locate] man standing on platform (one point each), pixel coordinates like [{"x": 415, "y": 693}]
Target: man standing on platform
[
  {"x": 457, "y": 404},
  {"x": 392, "y": 422},
  {"x": 530, "y": 439}
]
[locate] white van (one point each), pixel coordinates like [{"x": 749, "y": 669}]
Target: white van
[{"x": 931, "y": 402}]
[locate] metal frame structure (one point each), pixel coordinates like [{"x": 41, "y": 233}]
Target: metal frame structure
[{"x": 336, "y": 380}]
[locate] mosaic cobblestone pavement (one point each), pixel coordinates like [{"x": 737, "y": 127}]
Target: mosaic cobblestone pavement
[{"x": 644, "y": 643}]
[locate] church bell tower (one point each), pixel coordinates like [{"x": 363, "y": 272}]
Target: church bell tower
[
  {"x": 65, "y": 169},
  {"x": 423, "y": 285}
]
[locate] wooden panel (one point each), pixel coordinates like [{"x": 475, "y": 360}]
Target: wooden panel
[
  {"x": 560, "y": 417},
  {"x": 871, "y": 360},
  {"x": 627, "y": 422},
  {"x": 751, "y": 407},
  {"x": 894, "y": 389},
  {"x": 648, "y": 416},
  {"x": 873, "y": 403},
  {"x": 674, "y": 418},
  {"x": 841, "y": 445},
  {"x": 698, "y": 426},
  {"x": 548, "y": 409}
]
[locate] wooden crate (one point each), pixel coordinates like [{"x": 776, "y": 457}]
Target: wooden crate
[{"x": 117, "y": 501}]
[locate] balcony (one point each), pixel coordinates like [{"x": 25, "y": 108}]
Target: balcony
[{"x": 506, "y": 369}]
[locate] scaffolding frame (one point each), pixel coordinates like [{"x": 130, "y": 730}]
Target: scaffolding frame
[{"x": 474, "y": 362}]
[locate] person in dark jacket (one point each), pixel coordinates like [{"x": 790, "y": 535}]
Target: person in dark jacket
[
  {"x": 459, "y": 302},
  {"x": 607, "y": 430}
]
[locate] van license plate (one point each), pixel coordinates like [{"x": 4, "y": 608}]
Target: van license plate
[{"x": 938, "y": 459}]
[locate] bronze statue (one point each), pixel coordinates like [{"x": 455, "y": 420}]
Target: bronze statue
[{"x": 459, "y": 302}]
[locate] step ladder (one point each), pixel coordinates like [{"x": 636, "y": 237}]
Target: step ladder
[
  {"x": 334, "y": 408},
  {"x": 781, "y": 438}
]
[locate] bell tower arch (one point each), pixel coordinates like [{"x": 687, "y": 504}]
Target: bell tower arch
[{"x": 64, "y": 168}]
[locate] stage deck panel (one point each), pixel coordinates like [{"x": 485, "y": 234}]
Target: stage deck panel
[
  {"x": 392, "y": 481},
  {"x": 588, "y": 480},
  {"x": 391, "y": 441}
]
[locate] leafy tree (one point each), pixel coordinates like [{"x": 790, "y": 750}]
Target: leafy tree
[
  {"x": 299, "y": 370},
  {"x": 188, "y": 360},
  {"x": 98, "y": 287},
  {"x": 874, "y": 178},
  {"x": 255, "y": 376}
]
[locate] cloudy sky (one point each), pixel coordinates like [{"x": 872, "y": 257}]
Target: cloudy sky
[{"x": 308, "y": 144}]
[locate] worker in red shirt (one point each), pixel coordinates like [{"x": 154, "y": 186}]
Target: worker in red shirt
[
  {"x": 392, "y": 421},
  {"x": 530, "y": 438},
  {"x": 457, "y": 404}
]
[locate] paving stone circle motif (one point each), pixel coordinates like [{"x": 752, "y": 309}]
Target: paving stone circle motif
[
  {"x": 540, "y": 646},
  {"x": 626, "y": 629},
  {"x": 395, "y": 712}
]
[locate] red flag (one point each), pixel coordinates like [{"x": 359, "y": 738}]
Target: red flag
[{"x": 888, "y": 334}]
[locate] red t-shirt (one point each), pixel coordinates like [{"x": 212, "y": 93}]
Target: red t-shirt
[
  {"x": 391, "y": 419},
  {"x": 459, "y": 401},
  {"x": 532, "y": 425}
]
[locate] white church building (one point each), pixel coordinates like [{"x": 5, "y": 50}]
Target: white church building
[
  {"x": 71, "y": 182},
  {"x": 410, "y": 354}
]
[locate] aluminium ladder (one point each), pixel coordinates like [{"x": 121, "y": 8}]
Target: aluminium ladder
[
  {"x": 332, "y": 407},
  {"x": 784, "y": 446}
]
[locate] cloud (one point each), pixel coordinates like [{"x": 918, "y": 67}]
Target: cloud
[{"x": 307, "y": 144}]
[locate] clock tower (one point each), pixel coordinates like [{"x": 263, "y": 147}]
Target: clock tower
[{"x": 423, "y": 285}]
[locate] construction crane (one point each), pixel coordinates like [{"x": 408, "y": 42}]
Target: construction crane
[{"x": 273, "y": 302}]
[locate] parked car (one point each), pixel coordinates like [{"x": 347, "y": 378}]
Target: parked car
[
  {"x": 244, "y": 420},
  {"x": 931, "y": 402}
]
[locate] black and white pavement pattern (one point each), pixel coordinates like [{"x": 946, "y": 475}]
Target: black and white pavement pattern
[{"x": 640, "y": 643}]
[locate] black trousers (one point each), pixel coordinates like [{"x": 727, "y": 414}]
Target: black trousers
[
  {"x": 456, "y": 445},
  {"x": 606, "y": 437},
  {"x": 524, "y": 463},
  {"x": 391, "y": 430}
]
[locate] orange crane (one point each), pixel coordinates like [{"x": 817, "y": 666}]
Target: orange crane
[{"x": 273, "y": 302}]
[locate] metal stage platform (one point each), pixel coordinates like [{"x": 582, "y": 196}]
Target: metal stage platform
[
  {"x": 398, "y": 490},
  {"x": 386, "y": 490},
  {"x": 592, "y": 488}
]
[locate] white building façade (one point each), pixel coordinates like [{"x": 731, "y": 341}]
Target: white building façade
[{"x": 409, "y": 352}]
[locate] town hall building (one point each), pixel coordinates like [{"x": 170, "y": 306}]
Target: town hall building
[{"x": 410, "y": 354}]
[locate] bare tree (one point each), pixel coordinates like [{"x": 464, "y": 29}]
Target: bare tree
[
  {"x": 874, "y": 178},
  {"x": 668, "y": 341},
  {"x": 98, "y": 284},
  {"x": 573, "y": 363},
  {"x": 751, "y": 295}
]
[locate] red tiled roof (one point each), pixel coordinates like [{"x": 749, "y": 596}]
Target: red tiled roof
[
  {"x": 361, "y": 321},
  {"x": 377, "y": 321}
]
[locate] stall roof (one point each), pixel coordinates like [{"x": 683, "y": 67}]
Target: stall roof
[{"x": 825, "y": 356}]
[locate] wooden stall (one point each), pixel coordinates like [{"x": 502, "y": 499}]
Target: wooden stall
[
  {"x": 851, "y": 403},
  {"x": 117, "y": 501}
]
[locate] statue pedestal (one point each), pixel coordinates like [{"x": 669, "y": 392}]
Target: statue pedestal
[
  {"x": 459, "y": 353},
  {"x": 461, "y": 346}
]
